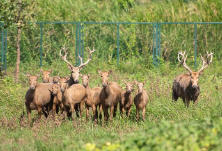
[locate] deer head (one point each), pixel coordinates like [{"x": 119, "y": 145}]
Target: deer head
[
  {"x": 56, "y": 79},
  {"x": 63, "y": 83},
  {"x": 129, "y": 86},
  {"x": 194, "y": 75},
  {"x": 75, "y": 71},
  {"x": 85, "y": 80},
  {"x": 45, "y": 75},
  {"x": 140, "y": 86},
  {"x": 32, "y": 81},
  {"x": 105, "y": 77},
  {"x": 55, "y": 88}
]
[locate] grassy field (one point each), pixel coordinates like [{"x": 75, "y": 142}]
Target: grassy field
[{"x": 169, "y": 125}]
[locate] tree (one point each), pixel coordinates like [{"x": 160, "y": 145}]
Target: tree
[{"x": 18, "y": 13}]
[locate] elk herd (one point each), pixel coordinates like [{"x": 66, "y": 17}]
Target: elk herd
[{"x": 66, "y": 96}]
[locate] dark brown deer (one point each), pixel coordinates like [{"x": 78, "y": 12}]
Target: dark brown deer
[
  {"x": 92, "y": 98},
  {"x": 75, "y": 71},
  {"x": 46, "y": 76},
  {"x": 141, "y": 99},
  {"x": 110, "y": 95},
  {"x": 127, "y": 99},
  {"x": 186, "y": 86},
  {"x": 37, "y": 96}
]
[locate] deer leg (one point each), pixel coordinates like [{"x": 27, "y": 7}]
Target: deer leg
[
  {"x": 39, "y": 111},
  {"x": 128, "y": 112},
  {"x": 112, "y": 108},
  {"x": 115, "y": 109},
  {"x": 54, "y": 106},
  {"x": 188, "y": 103},
  {"x": 61, "y": 108},
  {"x": 123, "y": 110},
  {"x": 100, "y": 111},
  {"x": 144, "y": 110},
  {"x": 106, "y": 113},
  {"x": 77, "y": 109},
  {"x": 81, "y": 107},
  {"x": 174, "y": 96},
  {"x": 66, "y": 111},
  {"x": 137, "y": 114},
  {"x": 72, "y": 111},
  {"x": 87, "y": 112},
  {"x": 94, "y": 112},
  {"x": 29, "y": 114}
]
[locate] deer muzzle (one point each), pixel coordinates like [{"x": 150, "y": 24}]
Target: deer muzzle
[{"x": 104, "y": 85}]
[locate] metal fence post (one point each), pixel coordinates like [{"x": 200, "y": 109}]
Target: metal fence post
[
  {"x": 79, "y": 41},
  {"x": 195, "y": 45},
  {"x": 2, "y": 58},
  {"x": 5, "y": 48},
  {"x": 117, "y": 44},
  {"x": 77, "y": 24},
  {"x": 159, "y": 40},
  {"x": 82, "y": 42},
  {"x": 156, "y": 55},
  {"x": 153, "y": 43},
  {"x": 41, "y": 45}
]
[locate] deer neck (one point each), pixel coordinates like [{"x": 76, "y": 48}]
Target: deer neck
[{"x": 88, "y": 89}]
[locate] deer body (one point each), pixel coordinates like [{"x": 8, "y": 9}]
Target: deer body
[
  {"x": 92, "y": 98},
  {"x": 110, "y": 95},
  {"x": 72, "y": 96},
  {"x": 127, "y": 99},
  {"x": 141, "y": 100},
  {"x": 186, "y": 86},
  {"x": 38, "y": 96}
]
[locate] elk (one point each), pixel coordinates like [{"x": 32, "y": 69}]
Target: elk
[
  {"x": 92, "y": 98},
  {"x": 75, "y": 71},
  {"x": 110, "y": 95},
  {"x": 127, "y": 99},
  {"x": 46, "y": 76},
  {"x": 140, "y": 99},
  {"x": 186, "y": 86},
  {"x": 58, "y": 92},
  {"x": 37, "y": 96}
]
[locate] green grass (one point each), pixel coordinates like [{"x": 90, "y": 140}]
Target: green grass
[{"x": 162, "y": 115}]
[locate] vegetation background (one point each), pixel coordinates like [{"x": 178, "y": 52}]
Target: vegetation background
[{"x": 169, "y": 125}]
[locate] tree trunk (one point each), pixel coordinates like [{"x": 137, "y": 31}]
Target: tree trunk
[{"x": 18, "y": 55}]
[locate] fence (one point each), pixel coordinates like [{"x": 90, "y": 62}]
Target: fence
[
  {"x": 119, "y": 41},
  {"x": 3, "y": 45}
]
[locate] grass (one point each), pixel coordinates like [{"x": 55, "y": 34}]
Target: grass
[{"x": 47, "y": 134}]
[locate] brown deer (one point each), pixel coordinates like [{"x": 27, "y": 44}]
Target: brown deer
[
  {"x": 140, "y": 99},
  {"x": 92, "y": 98},
  {"x": 75, "y": 72},
  {"x": 186, "y": 85},
  {"x": 127, "y": 99},
  {"x": 37, "y": 96},
  {"x": 110, "y": 95},
  {"x": 46, "y": 76},
  {"x": 58, "y": 92}
]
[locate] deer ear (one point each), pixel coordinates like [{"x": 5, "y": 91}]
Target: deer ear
[
  {"x": 135, "y": 82},
  {"x": 69, "y": 66},
  {"x": 28, "y": 75},
  {"x": 67, "y": 78},
  {"x": 41, "y": 70},
  {"x": 50, "y": 70},
  {"x": 37, "y": 75},
  {"x": 99, "y": 71},
  {"x": 50, "y": 84},
  {"x": 110, "y": 71},
  {"x": 144, "y": 82},
  {"x": 125, "y": 81},
  {"x": 89, "y": 75},
  {"x": 201, "y": 72},
  {"x": 80, "y": 75}
]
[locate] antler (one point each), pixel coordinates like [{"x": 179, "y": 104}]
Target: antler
[
  {"x": 184, "y": 60},
  {"x": 205, "y": 64},
  {"x": 65, "y": 55},
  {"x": 90, "y": 57}
]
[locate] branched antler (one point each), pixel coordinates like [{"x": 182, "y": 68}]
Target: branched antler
[
  {"x": 183, "y": 62},
  {"x": 65, "y": 55},
  {"x": 90, "y": 57},
  {"x": 206, "y": 64}
]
